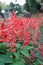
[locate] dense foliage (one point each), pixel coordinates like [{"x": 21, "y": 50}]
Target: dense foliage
[
  {"x": 42, "y": 1},
  {"x": 15, "y": 7},
  {"x": 19, "y": 42},
  {"x": 32, "y": 6}
]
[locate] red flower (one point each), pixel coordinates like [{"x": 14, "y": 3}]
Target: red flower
[
  {"x": 19, "y": 29},
  {"x": 2, "y": 25}
]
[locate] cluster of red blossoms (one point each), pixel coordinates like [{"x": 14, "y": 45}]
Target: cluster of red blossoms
[
  {"x": 19, "y": 29},
  {"x": 26, "y": 29}
]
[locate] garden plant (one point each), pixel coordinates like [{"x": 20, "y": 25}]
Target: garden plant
[{"x": 20, "y": 41}]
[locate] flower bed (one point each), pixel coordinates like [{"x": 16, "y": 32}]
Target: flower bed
[{"x": 19, "y": 42}]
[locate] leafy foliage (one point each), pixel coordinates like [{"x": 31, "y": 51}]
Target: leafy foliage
[{"x": 32, "y": 6}]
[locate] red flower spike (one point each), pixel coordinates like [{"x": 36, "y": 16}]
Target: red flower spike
[{"x": 2, "y": 25}]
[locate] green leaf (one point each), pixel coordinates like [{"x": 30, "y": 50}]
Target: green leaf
[
  {"x": 18, "y": 63},
  {"x": 40, "y": 62},
  {"x": 17, "y": 54},
  {"x": 35, "y": 63},
  {"x": 36, "y": 53},
  {"x": 25, "y": 52},
  {"x": 29, "y": 47},
  {"x": 5, "y": 59},
  {"x": 1, "y": 45},
  {"x": 22, "y": 60},
  {"x": 2, "y": 48},
  {"x": 1, "y": 63},
  {"x": 18, "y": 45}
]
